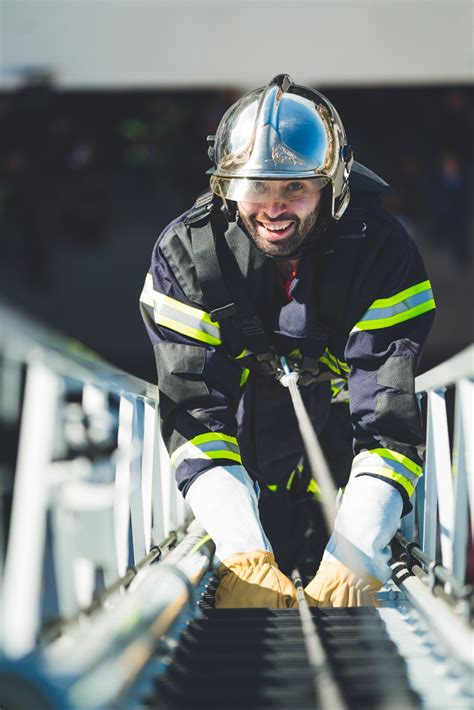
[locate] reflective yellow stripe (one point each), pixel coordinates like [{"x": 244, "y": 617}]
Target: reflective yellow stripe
[
  {"x": 186, "y": 330},
  {"x": 400, "y": 458},
  {"x": 343, "y": 365},
  {"x": 244, "y": 353},
  {"x": 199, "y": 544},
  {"x": 407, "y": 304},
  {"x": 394, "y": 476},
  {"x": 314, "y": 489},
  {"x": 335, "y": 365},
  {"x": 146, "y": 295},
  {"x": 336, "y": 386},
  {"x": 180, "y": 317},
  {"x": 289, "y": 483},
  {"x": 244, "y": 376},
  {"x": 331, "y": 365},
  {"x": 212, "y": 436},
  {"x": 402, "y": 296},
  {"x": 394, "y": 320},
  {"x": 389, "y": 464},
  {"x": 338, "y": 363},
  {"x": 213, "y": 445},
  {"x": 290, "y": 480},
  {"x": 223, "y": 454}
]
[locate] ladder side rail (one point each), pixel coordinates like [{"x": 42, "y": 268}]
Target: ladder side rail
[
  {"x": 441, "y": 503},
  {"x": 90, "y": 495},
  {"x": 122, "y": 484},
  {"x": 22, "y": 334},
  {"x": 25, "y": 554},
  {"x": 156, "y": 459},
  {"x": 136, "y": 492},
  {"x": 430, "y": 510},
  {"x": 462, "y": 471},
  {"x": 439, "y": 508},
  {"x": 147, "y": 463}
]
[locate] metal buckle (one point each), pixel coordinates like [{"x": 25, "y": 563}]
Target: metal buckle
[{"x": 223, "y": 312}]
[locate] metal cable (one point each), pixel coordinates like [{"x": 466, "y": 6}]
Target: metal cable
[
  {"x": 327, "y": 690},
  {"x": 319, "y": 468},
  {"x": 434, "y": 570}
]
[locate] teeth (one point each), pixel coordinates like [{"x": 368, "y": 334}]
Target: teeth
[{"x": 277, "y": 228}]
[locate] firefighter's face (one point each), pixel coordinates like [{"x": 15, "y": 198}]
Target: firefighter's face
[{"x": 279, "y": 226}]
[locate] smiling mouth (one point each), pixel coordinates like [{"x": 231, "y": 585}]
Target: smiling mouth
[{"x": 276, "y": 230}]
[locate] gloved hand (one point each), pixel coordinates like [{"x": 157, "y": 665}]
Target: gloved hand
[
  {"x": 335, "y": 585},
  {"x": 355, "y": 562},
  {"x": 252, "y": 579}
]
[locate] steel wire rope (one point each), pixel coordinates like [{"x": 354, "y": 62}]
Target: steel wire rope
[
  {"x": 326, "y": 688},
  {"x": 319, "y": 468},
  {"x": 314, "y": 453}
]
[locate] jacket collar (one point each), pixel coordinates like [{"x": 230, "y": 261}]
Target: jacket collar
[{"x": 296, "y": 319}]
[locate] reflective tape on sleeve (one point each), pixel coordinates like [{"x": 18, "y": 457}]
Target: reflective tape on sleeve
[
  {"x": 385, "y": 312},
  {"x": 388, "y": 464},
  {"x": 187, "y": 320},
  {"x": 208, "y": 446}
]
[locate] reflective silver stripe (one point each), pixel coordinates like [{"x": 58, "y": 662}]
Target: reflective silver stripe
[
  {"x": 164, "y": 309},
  {"x": 187, "y": 320},
  {"x": 386, "y": 465},
  {"x": 411, "y": 302}
]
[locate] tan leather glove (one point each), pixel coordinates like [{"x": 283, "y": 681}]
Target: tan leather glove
[
  {"x": 252, "y": 579},
  {"x": 335, "y": 585}
]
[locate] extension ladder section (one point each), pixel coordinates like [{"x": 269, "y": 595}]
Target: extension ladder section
[{"x": 102, "y": 562}]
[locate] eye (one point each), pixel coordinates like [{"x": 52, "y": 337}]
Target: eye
[
  {"x": 294, "y": 190},
  {"x": 295, "y": 187},
  {"x": 259, "y": 188}
]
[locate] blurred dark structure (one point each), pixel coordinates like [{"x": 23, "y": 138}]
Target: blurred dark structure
[{"x": 88, "y": 180}]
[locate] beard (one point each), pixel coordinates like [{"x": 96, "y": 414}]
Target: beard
[{"x": 285, "y": 246}]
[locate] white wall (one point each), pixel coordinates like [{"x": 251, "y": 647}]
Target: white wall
[{"x": 150, "y": 43}]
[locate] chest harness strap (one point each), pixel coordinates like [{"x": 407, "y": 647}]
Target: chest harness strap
[{"x": 225, "y": 294}]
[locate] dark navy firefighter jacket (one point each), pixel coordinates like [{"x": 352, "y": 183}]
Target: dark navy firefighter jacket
[{"x": 361, "y": 304}]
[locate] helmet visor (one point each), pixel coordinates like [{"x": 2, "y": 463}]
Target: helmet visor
[{"x": 254, "y": 190}]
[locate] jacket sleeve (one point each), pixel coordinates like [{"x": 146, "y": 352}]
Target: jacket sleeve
[
  {"x": 383, "y": 351},
  {"x": 199, "y": 383}
]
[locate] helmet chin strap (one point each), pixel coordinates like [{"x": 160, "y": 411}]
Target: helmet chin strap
[{"x": 229, "y": 208}]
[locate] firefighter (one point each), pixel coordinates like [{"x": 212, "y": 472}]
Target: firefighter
[{"x": 290, "y": 253}]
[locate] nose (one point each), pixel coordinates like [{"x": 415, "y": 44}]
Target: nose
[{"x": 274, "y": 209}]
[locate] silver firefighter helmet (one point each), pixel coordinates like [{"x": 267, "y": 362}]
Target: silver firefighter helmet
[{"x": 281, "y": 131}]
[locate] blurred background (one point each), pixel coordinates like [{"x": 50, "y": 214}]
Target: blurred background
[{"x": 105, "y": 106}]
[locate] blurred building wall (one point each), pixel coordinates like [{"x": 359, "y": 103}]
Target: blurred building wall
[{"x": 239, "y": 43}]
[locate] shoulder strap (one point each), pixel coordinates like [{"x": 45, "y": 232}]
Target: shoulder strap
[
  {"x": 225, "y": 297},
  {"x": 216, "y": 295}
]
